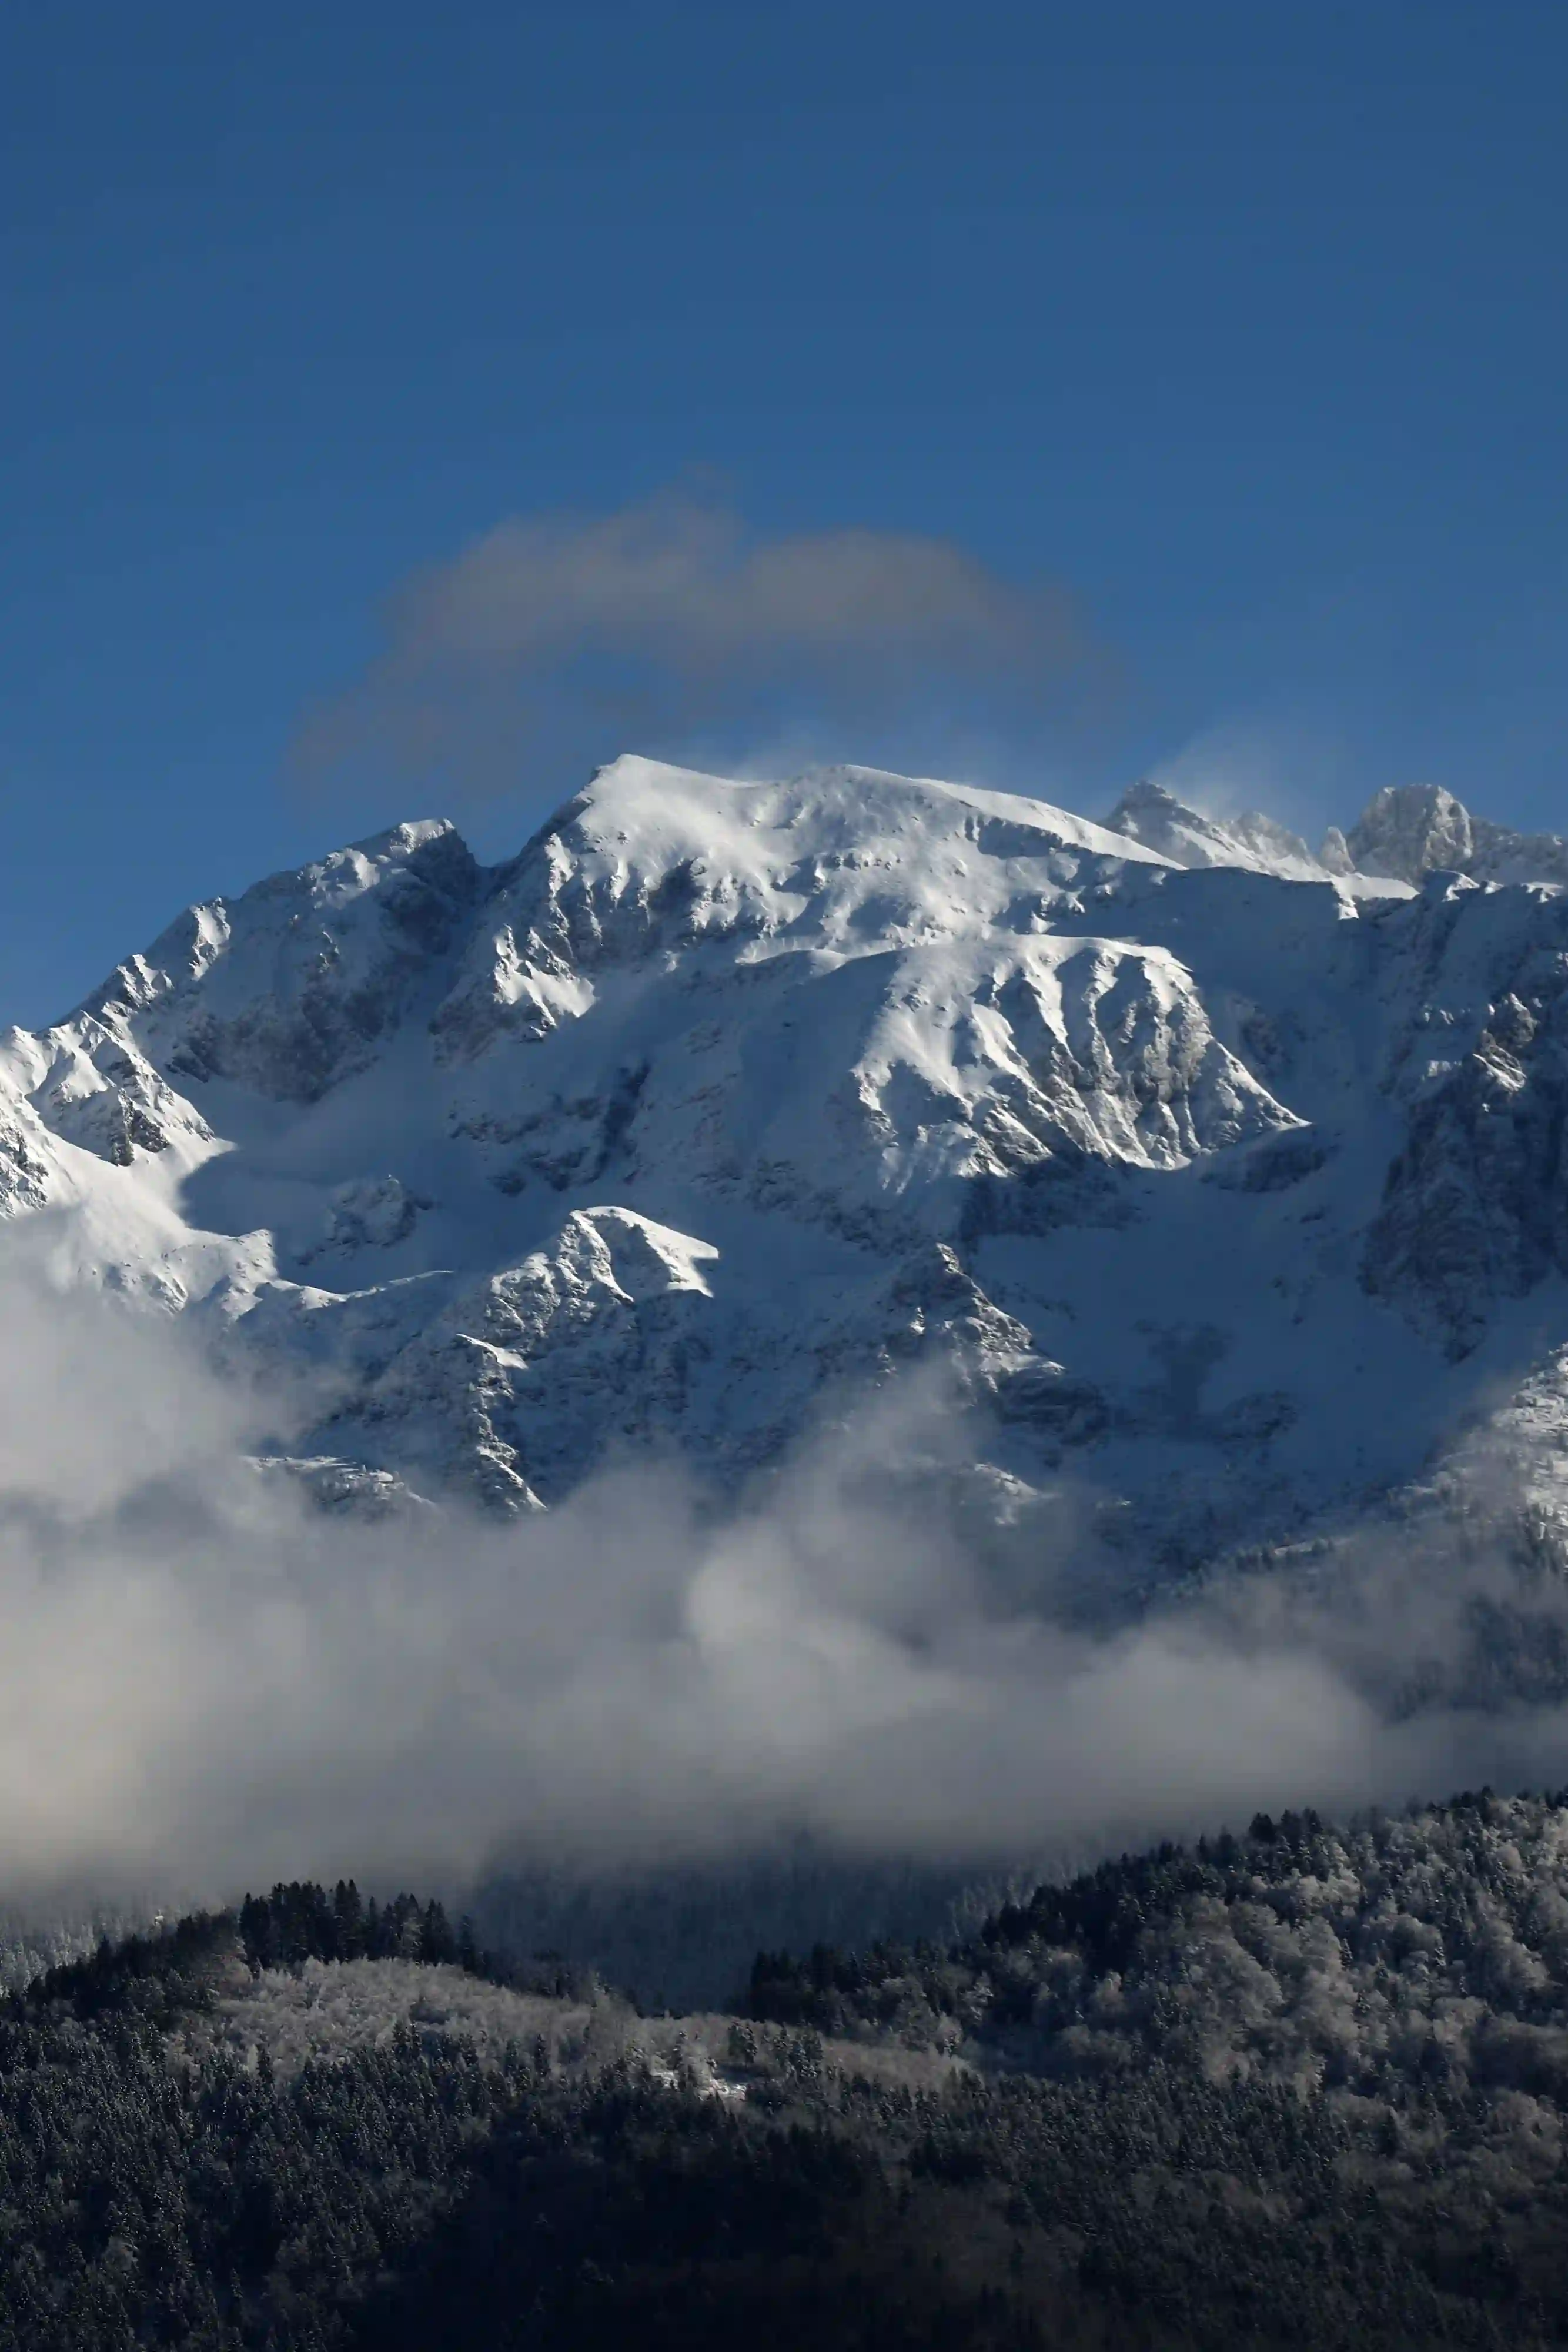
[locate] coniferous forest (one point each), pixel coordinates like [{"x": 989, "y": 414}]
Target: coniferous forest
[{"x": 1304, "y": 2086}]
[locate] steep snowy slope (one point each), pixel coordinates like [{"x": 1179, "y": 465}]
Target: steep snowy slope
[{"x": 1221, "y": 1193}]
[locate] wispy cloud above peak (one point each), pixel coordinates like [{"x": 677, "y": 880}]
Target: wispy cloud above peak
[{"x": 555, "y": 641}]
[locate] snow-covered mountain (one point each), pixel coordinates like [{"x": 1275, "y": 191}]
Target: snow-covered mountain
[
  {"x": 1147, "y": 812},
  {"x": 1411, "y": 830},
  {"x": 1404, "y": 833},
  {"x": 1223, "y": 1184}
]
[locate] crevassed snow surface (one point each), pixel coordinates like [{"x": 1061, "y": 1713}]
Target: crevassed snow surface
[{"x": 1223, "y": 1184}]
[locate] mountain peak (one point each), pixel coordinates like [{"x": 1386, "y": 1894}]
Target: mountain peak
[
  {"x": 653, "y": 797},
  {"x": 1149, "y": 815},
  {"x": 1413, "y": 830},
  {"x": 408, "y": 839},
  {"x": 1409, "y": 830}
]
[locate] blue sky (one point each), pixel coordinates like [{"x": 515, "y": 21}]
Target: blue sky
[{"x": 1243, "y": 328}]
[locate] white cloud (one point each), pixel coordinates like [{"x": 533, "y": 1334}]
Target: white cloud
[{"x": 205, "y": 1682}]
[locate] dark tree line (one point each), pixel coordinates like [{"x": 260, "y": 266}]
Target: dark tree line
[{"x": 304, "y": 1922}]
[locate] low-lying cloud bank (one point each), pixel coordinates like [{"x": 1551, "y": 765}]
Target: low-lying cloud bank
[{"x": 207, "y": 1681}]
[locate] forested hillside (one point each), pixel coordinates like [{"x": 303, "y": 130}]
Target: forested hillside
[{"x": 1304, "y": 2086}]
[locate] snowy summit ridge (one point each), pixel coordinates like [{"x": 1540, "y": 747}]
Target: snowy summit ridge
[{"x": 1221, "y": 1179}]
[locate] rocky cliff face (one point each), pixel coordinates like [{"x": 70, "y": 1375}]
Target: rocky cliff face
[
  {"x": 1216, "y": 1185},
  {"x": 1409, "y": 831}
]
